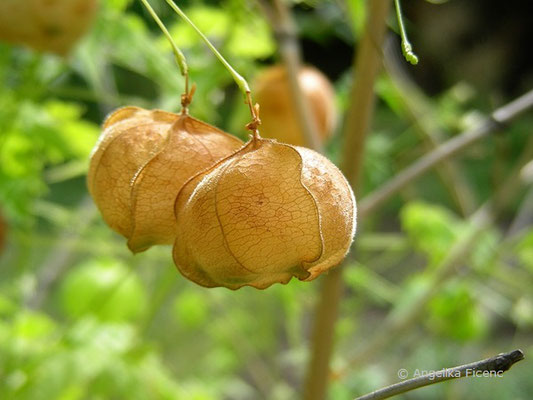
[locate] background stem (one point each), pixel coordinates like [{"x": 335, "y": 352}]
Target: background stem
[
  {"x": 284, "y": 27},
  {"x": 359, "y": 116},
  {"x": 399, "y": 321},
  {"x": 419, "y": 110},
  {"x": 407, "y": 49},
  {"x": 447, "y": 149},
  {"x": 178, "y": 55},
  {"x": 241, "y": 82}
]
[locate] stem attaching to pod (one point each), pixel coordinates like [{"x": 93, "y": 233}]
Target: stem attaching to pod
[
  {"x": 178, "y": 56},
  {"x": 239, "y": 80}
]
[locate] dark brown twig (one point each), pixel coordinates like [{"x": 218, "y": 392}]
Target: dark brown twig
[{"x": 494, "y": 366}]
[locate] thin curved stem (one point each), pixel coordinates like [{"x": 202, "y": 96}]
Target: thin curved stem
[
  {"x": 186, "y": 97},
  {"x": 494, "y": 366},
  {"x": 239, "y": 80},
  {"x": 178, "y": 55},
  {"x": 254, "y": 124},
  {"x": 407, "y": 49}
]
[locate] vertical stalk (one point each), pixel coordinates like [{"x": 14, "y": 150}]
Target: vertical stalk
[
  {"x": 291, "y": 56},
  {"x": 359, "y": 116}
]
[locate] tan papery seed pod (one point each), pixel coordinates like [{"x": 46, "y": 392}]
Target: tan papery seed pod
[
  {"x": 139, "y": 165},
  {"x": 46, "y": 25},
  {"x": 267, "y": 213},
  {"x": 279, "y": 119}
]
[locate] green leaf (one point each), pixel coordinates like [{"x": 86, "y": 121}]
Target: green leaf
[
  {"x": 104, "y": 288},
  {"x": 30, "y": 325},
  {"x": 522, "y": 312},
  {"x": 484, "y": 253},
  {"x": 117, "y": 5},
  {"x": 454, "y": 313},
  {"x": 7, "y": 307},
  {"x": 357, "y": 11},
  {"x": 77, "y": 134},
  {"x": 361, "y": 278},
  {"x": 252, "y": 40},
  {"x": 191, "y": 309},
  {"x": 433, "y": 229},
  {"x": 524, "y": 250}
]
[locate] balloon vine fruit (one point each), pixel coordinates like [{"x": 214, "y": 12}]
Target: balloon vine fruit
[
  {"x": 267, "y": 213},
  {"x": 238, "y": 215},
  {"x": 279, "y": 119},
  {"x": 140, "y": 163},
  {"x": 46, "y": 25}
]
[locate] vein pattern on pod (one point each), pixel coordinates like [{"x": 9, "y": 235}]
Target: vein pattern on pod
[
  {"x": 140, "y": 163},
  {"x": 267, "y": 213},
  {"x": 191, "y": 146}
]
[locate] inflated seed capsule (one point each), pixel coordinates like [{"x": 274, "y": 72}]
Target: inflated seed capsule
[
  {"x": 267, "y": 213},
  {"x": 139, "y": 165}
]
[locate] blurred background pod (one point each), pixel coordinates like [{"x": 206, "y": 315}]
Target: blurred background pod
[
  {"x": 46, "y": 25},
  {"x": 279, "y": 119}
]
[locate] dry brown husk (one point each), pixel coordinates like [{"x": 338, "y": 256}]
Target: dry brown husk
[
  {"x": 139, "y": 165},
  {"x": 46, "y": 25},
  {"x": 267, "y": 213},
  {"x": 279, "y": 119}
]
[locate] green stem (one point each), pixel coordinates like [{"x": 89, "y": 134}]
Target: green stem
[
  {"x": 407, "y": 49},
  {"x": 178, "y": 55},
  {"x": 241, "y": 82}
]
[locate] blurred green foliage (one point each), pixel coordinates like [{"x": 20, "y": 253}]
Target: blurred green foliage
[
  {"x": 81, "y": 318},
  {"x": 104, "y": 288}
]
